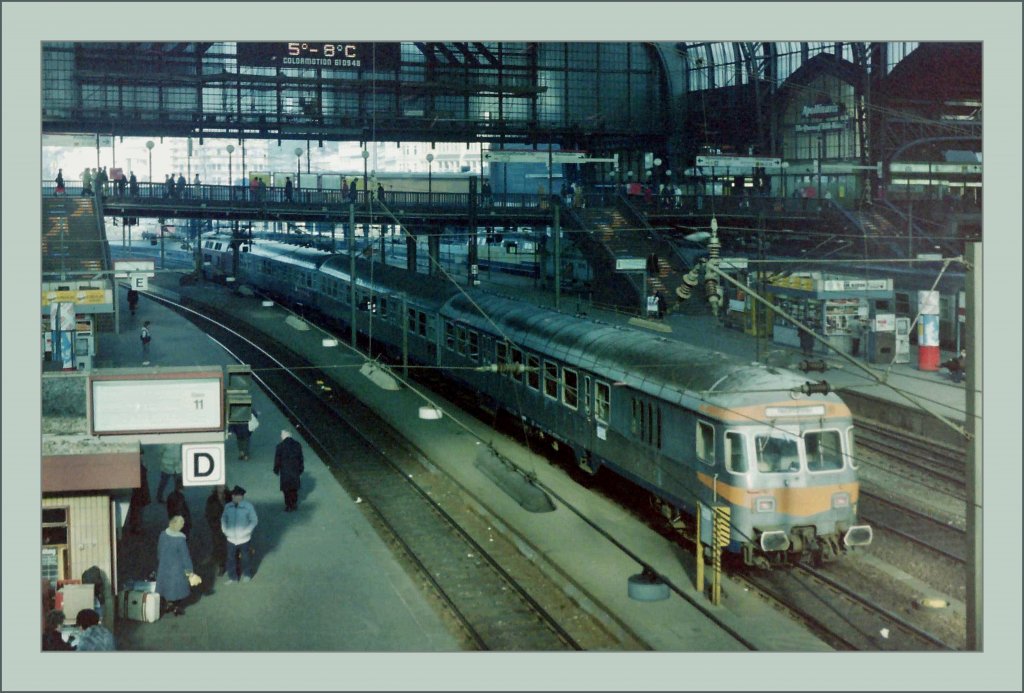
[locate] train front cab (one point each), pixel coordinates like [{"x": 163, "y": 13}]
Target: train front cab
[{"x": 792, "y": 487}]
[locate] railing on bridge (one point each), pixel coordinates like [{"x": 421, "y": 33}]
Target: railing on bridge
[{"x": 159, "y": 193}]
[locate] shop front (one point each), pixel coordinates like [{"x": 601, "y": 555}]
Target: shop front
[{"x": 833, "y": 306}]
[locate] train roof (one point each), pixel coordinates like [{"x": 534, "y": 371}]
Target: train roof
[
  {"x": 292, "y": 254},
  {"x": 383, "y": 279},
  {"x": 661, "y": 367}
]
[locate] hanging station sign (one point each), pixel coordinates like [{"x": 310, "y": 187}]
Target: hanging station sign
[
  {"x": 821, "y": 117},
  {"x": 336, "y": 55}
]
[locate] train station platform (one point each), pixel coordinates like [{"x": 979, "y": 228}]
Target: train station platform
[
  {"x": 324, "y": 581},
  {"x": 293, "y": 563}
]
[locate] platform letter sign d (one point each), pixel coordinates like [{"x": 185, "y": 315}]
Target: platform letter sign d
[{"x": 203, "y": 465}]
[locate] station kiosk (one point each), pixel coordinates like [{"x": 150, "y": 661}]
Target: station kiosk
[{"x": 833, "y": 306}]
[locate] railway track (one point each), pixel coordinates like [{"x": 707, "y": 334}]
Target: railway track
[
  {"x": 841, "y": 617},
  {"x": 934, "y": 464},
  {"x": 921, "y": 529},
  {"x": 490, "y": 606}
]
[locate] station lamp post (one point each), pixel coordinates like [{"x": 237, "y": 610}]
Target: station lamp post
[
  {"x": 298, "y": 164},
  {"x": 430, "y": 171},
  {"x": 231, "y": 149},
  {"x": 657, "y": 165},
  {"x": 149, "y": 146}
]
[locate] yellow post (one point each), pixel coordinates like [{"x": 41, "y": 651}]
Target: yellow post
[
  {"x": 720, "y": 533},
  {"x": 699, "y": 554}
]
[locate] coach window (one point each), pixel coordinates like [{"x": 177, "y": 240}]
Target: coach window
[
  {"x": 636, "y": 425},
  {"x": 602, "y": 401},
  {"x": 533, "y": 372},
  {"x": 705, "y": 442},
  {"x": 735, "y": 454},
  {"x": 570, "y": 388},
  {"x": 449, "y": 335},
  {"x": 517, "y": 363},
  {"x": 474, "y": 345},
  {"x": 460, "y": 339},
  {"x": 410, "y": 320},
  {"x": 384, "y": 306},
  {"x": 551, "y": 379},
  {"x": 501, "y": 354}
]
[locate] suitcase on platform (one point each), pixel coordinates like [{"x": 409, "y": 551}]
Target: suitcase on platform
[{"x": 140, "y": 606}]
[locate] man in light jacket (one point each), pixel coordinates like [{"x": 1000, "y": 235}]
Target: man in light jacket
[{"x": 237, "y": 523}]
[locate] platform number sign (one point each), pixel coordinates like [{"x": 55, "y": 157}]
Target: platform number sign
[{"x": 203, "y": 464}]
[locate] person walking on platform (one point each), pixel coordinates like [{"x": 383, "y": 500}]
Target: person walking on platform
[
  {"x": 288, "y": 465},
  {"x": 353, "y": 193},
  {"x": 215, "y": 503},
  {"x": 243, "y": 432},
  {"x": 145, "y": 336},
  {"x": 806, "y": 343},
  {"x": 86, "y": 182},
  {"x": 856, "y": 334},
  {"x": 170, "y": 468},
  {"x": 237, "y": 523},
  {"x": 133, "y": 301},
  {"x": 100, "y": 183},
  {"x": 177, "y": 505},
  {"x": 133, "y": 185},
  {"x": 140, "y": 499},
  {"x": 59, "y": 180},
  {"x": 174, "y": 566},
  {"x": 288, "y": 189},
  {"x": 181, "y": 186}
]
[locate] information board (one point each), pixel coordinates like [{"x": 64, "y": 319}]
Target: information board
[{"x": 158, "y": 403}]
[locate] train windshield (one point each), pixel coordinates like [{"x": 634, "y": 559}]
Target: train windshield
[
  {"x": 824, "y": 450},
  {"x": 777, "y": 453}
]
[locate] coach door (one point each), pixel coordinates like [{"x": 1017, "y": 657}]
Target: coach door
[{"x": 587, "y": 409}]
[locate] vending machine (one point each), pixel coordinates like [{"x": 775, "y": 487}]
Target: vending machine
[
  {"x": 881, "y": 332},
  {"x": 902, "y": 340}
]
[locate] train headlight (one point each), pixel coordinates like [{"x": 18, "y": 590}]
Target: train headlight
[
  {"x": 840, "y": 500},
  {"x": 858, "y": 535},
  {"x": 775, "y": 540},
  {"x": 764, "y": 504}
]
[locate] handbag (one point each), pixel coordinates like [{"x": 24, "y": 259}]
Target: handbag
[
  {"x": 254, "y": 423},
  {"x": 194, "y": 580}
]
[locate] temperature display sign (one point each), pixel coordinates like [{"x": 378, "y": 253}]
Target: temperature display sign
[{"x": 339, "y": 55}]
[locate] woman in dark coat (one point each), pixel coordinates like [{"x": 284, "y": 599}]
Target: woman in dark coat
[
  {"x": 289, "y": 466},
  {"x": 176, "y": 505},
  {"x": 174, "y": 565}
]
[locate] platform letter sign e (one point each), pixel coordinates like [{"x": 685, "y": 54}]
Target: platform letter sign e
[{"x": 202, "y": 464}]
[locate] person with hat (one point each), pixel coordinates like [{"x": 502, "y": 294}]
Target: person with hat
[
  {"x": 288, "y": 465},
  {"x": 174, "y": 566},
  {"x": 238, "y": 522}
]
